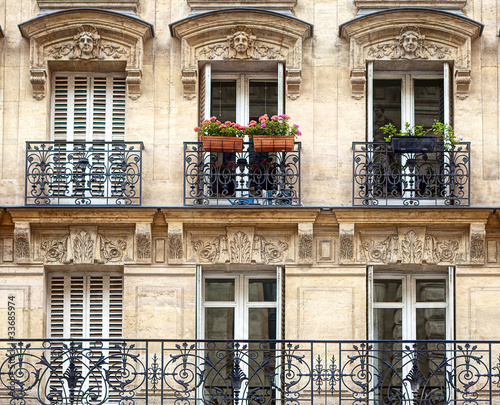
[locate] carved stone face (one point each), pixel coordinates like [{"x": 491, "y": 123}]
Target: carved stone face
[
  {"x": 240, "y": 41},
  {"x": 410, "y": 42},
  {"x": 86, "y": 44}
]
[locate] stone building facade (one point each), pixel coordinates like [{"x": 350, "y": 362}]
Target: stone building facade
[{"x": 115, "y": 223}]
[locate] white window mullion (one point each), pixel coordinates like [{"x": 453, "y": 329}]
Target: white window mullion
[
  {"x": 407, "y": 101},
  {"x": 242, "y": 96},
  {"x": 369, "y": 106},
  {"x": 281, "y": 89}
]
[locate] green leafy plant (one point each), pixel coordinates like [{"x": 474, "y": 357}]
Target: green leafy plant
[
  {"x": 214, "y": 127},
  {"x": 444, "y": 131},
  {"x": 278, "y": 125}
]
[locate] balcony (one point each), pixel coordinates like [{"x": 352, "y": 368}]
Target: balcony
[
  {"x": 384, "y": 178},
  {"x": 139, "y": 372},
  {"x": 83, "y": 173},
  {"x": 241, "y": 179}
]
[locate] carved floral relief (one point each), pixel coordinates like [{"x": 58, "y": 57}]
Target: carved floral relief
[
  {"x": 174, "y": 246},
  {"x": 86, "y": 45},
  {"x": 83, "y": 248},
  {"x": 270, "y": 251},
  {"x": 112, "y": 251},
  {"x": 409, "y": 44},
  {"x": 143, "y": 246},
  {"x": 210, "y": 252},
  {"x": 22, "y": 248},
  {"x": 477, "y": 250},
  {"x": 56, "y": 250},
  {"x": 306, "y": 247}
]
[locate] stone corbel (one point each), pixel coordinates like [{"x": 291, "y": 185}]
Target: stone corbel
[
  {"x": 462, "y": 83},
  {"x": 346, "y": 243},
  {"x": 477, "y": 236},
  {"x": 56, "y": 37},
  {"x": 22, "y": 242},
  {"x": 38, "y": 79},
  {"x": 293, "y": 81},
  {"x": 133, "y": 80},
  {"x": 175, "y": 242},
  {"x": 305, "y": 233},
  {"x": 189, "y": 79}
]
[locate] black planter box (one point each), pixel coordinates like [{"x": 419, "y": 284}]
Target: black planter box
[{"x": 413, "y": 144}]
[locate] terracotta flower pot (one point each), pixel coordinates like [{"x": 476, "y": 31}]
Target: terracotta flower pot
[
  {"x": 273, "y": 143},
  {"x": 222, "y": 143}
]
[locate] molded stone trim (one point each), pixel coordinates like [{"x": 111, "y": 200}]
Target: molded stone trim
[
  {"x": 443, "y": 36},
  {"x": 437, "y": 4},
  {"x": 111, "y": 4},
  {"x": 119, "y": 37},
  {"x": 206, "y": 37},
  {"x": 265, "y": 4}
]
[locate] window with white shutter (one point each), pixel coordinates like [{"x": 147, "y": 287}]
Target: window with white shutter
[
  {"x": 88, "y": 110},
  {"x": 88, "y": 107},
  {"x": 85, "y": 307}
]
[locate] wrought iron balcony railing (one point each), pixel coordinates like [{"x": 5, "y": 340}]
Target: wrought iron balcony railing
[
  {"x": 83, "y": 173},
  {"x": 382, "y": 177},
  {"x": 241, "y": 178},
  {"x": 249, "y": 372}
]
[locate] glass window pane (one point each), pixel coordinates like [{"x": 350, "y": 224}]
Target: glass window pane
[
  {"x": 431, "y": 290},
  {"x": 262, "y": 290},
  {"x": 387, "y": 290},
  {"x": 219, "y": 323},
  {"x": 262, "y": 323},
  {"x": 431, "y": 323},
  {"x": 386, "y": 106},
  {"x": 219, "y": 289},
  {"x": 429, "y": 101},
  {"x": 263, "y": 98},
  {"x": 223, "y": 101},
  {"x": 388, "y": 324}
]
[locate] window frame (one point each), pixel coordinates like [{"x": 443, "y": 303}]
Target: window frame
[
  {"x": 409, "y": 304},
  {"x": 407, "y": 93}
]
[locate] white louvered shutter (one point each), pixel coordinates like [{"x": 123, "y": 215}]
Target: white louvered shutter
[
  {"x": 88, "y": 108},
  {"x": 86, "y": 307}
]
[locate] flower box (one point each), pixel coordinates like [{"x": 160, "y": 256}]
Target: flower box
[
  {"x": 222, "y": 143},
  {"x": 273, "y": 143},
  {"x": 413, "y": 144}
]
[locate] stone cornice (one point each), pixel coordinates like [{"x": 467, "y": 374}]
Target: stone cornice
[
  {"x": 430, "y": 216},
  {"x": 71, "y": 215},
  {"x": 241, "y": 216}
]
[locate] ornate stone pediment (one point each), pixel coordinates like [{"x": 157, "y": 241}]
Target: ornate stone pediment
[
  {"x": 74, "y": 38},
  {"x": 411, "y": 34},
  {"x": 267, "y": 36}
]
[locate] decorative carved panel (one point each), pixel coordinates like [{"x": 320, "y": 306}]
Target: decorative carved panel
[
  {"x": 55, "y": 250},
  {"x": 260, "y": 35},
  {"x": 112, "y": 251},
  {"x": 83, "y": 36},
  {"x": 410, "y": 34},
  {"x": 83, "y": 247}
]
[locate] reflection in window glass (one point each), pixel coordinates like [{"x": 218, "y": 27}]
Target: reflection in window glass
[
  {"x": 224, "y": 100},
  {"x": 263, "y": 98},
  {"x": 386, "y": 106},
  {"x": 262, "y": 290},
  {"x": 429, "y": 101},
  {"x": 431, "y": 290},
  {"x": 387, "y": 290},
  {"x": 219, "y": 289},
  {"x": 219, "y": 323}
]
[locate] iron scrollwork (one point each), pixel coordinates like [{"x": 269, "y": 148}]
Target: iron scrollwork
[
  {"x": 241, "y": 178},
  {"x": 384, "y": 177},
  {"x": 82, "y": 372},
  {"x": 83, "y": 173}
]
